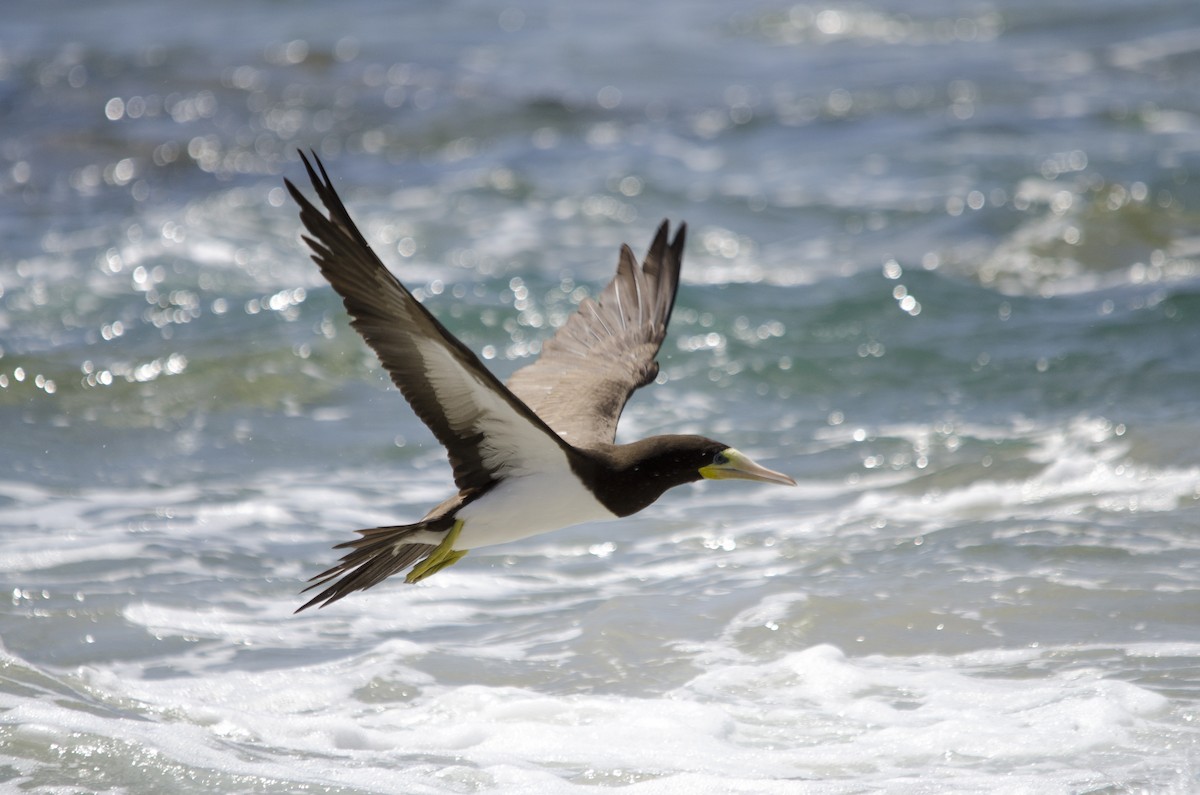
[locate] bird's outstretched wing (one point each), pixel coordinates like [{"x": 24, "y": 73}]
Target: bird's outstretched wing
[
  {"x": 487, "y": 431},
  {"x": 606, "y": 349}
]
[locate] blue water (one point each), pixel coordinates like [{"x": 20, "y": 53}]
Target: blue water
[{"x": 943, "y": 268}]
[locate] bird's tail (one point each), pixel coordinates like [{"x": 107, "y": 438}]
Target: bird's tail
[{"x": 377, "y": 555}]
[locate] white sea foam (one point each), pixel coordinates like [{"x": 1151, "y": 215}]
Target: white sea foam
[
  {"x": 816, "y": 716},
  {"x": 420, "y": 689},
  {"x": 1083, "y": 464},
  {"x": 465, "y": 682}
]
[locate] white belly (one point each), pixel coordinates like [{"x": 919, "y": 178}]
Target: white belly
[{"x": 526, "y": 506}]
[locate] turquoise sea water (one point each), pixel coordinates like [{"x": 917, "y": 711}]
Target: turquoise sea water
[{"x": 943, "y": 267}]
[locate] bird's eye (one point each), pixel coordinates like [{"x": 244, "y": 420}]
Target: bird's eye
[{"x": 720, "y": 459}]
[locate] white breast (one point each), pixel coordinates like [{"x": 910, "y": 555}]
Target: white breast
[
  {"x": 537, "y": 491},
  {"x": 520, "y": 507}
]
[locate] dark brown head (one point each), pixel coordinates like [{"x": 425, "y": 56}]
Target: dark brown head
[{"x": 637, "y": 474}]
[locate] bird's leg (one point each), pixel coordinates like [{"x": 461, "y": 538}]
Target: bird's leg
[{"x": 442, "y": 556}]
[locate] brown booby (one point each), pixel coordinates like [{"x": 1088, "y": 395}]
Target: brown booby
[{"x": 532, "y": 456}]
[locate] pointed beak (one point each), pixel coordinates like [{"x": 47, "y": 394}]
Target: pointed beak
[{"x": 739, "y": 466}]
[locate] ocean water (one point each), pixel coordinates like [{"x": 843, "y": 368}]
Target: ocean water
[{"x": 943, "y": 268}]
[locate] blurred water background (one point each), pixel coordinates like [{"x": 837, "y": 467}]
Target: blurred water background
[{"x": 944, "y": 268}]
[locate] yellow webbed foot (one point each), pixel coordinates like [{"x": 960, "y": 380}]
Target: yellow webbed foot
[
  {"x": 449, "y": 560},
  {"x": 442, "y": 556}
]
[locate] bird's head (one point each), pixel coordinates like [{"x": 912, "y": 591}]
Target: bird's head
[
  {"x": 638, "y": 473},
  {"x": 686, "y": 458}
]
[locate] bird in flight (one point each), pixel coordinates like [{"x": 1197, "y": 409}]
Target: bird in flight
[{"x": 533, "y": 455}]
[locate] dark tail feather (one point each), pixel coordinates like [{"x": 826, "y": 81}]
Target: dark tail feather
[{"x": 379, "y": 554}]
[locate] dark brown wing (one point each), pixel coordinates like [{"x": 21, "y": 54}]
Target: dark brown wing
[
  {"x": 605, "y": 351},
  {"x": 487, "y": 431}
]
